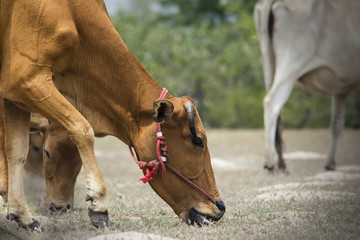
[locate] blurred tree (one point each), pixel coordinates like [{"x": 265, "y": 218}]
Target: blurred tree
[
  {"x": 218, "y": 64},
  {"x": 189, "y": 12}
]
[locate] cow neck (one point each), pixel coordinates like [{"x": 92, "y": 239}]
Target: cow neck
[
  {"x": 119, "y": 94},
  {"x": 139, "y": 91},
  {"x": 133, "y": 108}
]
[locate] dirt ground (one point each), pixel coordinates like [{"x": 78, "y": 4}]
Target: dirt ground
[{"x": 308, "y": 203}]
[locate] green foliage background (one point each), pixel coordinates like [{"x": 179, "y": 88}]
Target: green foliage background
[{"x": 209, "y": 50}]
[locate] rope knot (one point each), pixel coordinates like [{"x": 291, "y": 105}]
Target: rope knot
[{"x": 153, "y": 165}]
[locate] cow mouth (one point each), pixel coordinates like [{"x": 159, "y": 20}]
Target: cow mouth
[
  {"x": 197, "y": 218},
  {"x": 63, "y": 209}
]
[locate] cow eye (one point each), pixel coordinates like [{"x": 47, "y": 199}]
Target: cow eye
[
  {"x": 36, "y": 148},
  {"x": 47, "y": 153},
  {"x": 198, "y": 141}
]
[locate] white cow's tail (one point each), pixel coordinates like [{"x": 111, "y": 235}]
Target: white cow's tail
[{"x": 264, "y": 21}]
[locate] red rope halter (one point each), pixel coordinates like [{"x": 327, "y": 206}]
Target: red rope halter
[{"x": 152, "y": 167}]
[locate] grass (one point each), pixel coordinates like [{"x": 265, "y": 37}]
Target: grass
[{"x": 300, "y": 205}]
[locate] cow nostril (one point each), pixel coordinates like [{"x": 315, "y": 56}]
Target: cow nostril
[{"x": 221, "y": 206}]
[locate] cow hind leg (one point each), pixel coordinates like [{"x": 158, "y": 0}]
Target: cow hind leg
[
  {"x": 3, "y": 162},
  {"x": 337, "y": 123},
  {"x": 16, "y": 129},
  {"x": 273, "y": 103},
  {"x": 279, "y": 145},
  {"x": 3, "y": 174}
]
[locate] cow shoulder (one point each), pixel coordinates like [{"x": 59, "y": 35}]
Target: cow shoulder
[{"x": 42, "y": 30}]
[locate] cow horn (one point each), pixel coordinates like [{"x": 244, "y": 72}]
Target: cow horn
[{"x": 197, "y": 140}]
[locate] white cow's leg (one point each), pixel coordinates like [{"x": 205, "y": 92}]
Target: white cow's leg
[
  {"x": 279, "y": 144},
  {"x": 273, "y": 103},
  {"x": 16, "y": 128},
  {"x": 337, "y": 123}
]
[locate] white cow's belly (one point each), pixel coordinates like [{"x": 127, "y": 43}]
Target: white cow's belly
[{"x": 325, "y": 81}]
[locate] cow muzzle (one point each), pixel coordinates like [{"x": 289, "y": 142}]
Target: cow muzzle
[{"x": 196, "y": 217}]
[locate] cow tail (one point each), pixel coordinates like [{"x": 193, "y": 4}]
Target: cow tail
[{"x": 264, "y": 20}]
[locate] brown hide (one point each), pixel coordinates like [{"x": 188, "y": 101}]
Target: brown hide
[{"x": 101, "y": 88}]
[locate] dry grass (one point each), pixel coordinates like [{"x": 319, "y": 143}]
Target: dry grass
[{"x": 307, "y": 204}]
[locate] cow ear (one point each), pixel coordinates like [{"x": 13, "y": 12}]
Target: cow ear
[
  {"x": 163, "y": 110},
  {"x": 38, "y": 124}
]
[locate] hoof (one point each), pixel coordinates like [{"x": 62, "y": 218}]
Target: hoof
[
  {"x": 35, "y": 226},
  {"x": 330, "y": 167},
  {"x": 99, "y": 219},
  {"x": 270, "y": 169}
]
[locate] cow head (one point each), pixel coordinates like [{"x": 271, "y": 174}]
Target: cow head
[
  {"x": 62, "y": 165},
  {"x": 34, "y": 161},
  {"x": 60, "y": 153},
  {"x": 188, "y": 154}
]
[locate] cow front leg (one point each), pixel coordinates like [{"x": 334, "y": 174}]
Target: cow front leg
[
  {"x": 16, "y": 129},
  {"x": 50, "y": 103},
  {"x": 337, "y": 124}
]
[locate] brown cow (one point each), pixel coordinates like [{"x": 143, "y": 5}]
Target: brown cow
[{"x": 65, "y": 60}]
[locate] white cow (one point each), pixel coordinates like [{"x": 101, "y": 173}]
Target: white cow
[{"x": 315, "y": 43}]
